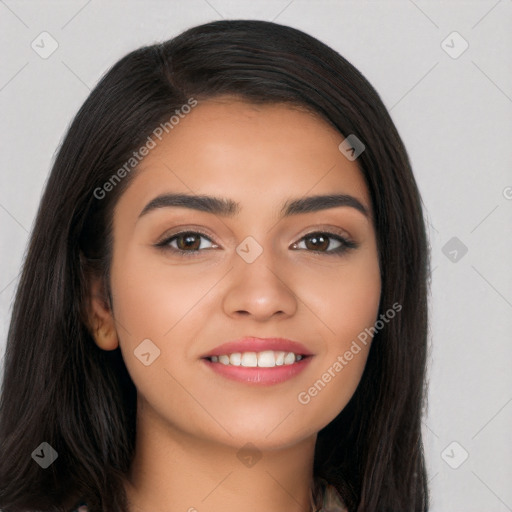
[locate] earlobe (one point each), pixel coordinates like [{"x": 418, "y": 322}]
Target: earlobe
[
  {"x": 101, "y": 318},
  {"x": 106, "y": 337}
]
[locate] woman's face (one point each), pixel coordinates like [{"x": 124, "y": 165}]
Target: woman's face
[{"x": 252, "y": 271}]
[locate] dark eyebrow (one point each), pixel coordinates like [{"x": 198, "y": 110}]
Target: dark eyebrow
[{"x": 230, "y": 208}]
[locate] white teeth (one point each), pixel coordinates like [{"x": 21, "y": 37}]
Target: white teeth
[
  {"x": 235, "y": 359},
  {"x": 249, "y": 359},
  {"x": 289, "y": 358},
  {"x": 265, "y": 359}
]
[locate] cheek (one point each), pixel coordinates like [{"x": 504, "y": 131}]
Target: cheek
[
  {"x": 162, "y": 303},
  {"x": 344, "y": 298},
  {"x": 151, "y": 298},
  {"x": 345, "y": 309},
  {"x": 166, "y": 304},
  {"x": 355, "y": 306}
]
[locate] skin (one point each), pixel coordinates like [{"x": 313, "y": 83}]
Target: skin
[{"x": 192, "y": 422}]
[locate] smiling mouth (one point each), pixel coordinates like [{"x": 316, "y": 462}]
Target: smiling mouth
[{"x": 264, "y": 359}]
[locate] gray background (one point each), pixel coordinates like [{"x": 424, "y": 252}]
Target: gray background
[{"x": 454, "y": 115}]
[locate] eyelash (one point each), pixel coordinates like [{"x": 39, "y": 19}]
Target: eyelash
[{"x": 346, "y": 244}]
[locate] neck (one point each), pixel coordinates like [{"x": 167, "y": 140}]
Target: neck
[{"x": 173, "y": 471}]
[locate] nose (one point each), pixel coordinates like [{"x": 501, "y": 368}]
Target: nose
[{"x": 261, "y": 289}]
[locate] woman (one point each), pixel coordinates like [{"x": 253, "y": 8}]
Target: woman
[{"x": 224, "y": 300}]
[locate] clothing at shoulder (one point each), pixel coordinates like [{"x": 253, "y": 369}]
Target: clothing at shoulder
[{"x": 325, "y": 498}]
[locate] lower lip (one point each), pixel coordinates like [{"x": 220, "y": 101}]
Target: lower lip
[{"x": 259, "y": 376}]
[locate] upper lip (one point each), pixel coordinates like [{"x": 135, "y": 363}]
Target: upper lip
[{"x": 254, "y": 344}]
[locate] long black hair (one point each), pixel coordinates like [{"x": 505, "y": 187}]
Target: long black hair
[{"x": 60, "y": 388}]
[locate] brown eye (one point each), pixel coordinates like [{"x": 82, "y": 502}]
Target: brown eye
[
  {"x": 186, "y": 243},
  {"x": 318, "y": 242},
  {"x": 321, "y": 242}
]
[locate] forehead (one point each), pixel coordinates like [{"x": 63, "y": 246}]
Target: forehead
[
  {"x": 229, "y": 147},
  {"x": 226, "y": 122}
]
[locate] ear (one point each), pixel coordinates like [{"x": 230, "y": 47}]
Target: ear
[{"x": 101, "y": 318}]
